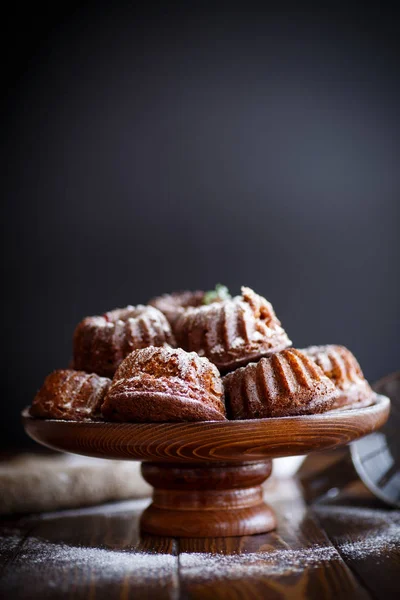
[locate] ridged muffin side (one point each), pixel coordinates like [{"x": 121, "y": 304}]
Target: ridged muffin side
[
  {"x": 233, "y": 332},
  {"x": 342, "y": 367},
  {"x": 70, "y": 395},
  {"x": 102, "y": 342},
  {"x": 285, "y": 384},
  {"x": 165, "y": 384}
]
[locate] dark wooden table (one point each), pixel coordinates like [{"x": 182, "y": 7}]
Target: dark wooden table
[{"x": 345, "y": 548}]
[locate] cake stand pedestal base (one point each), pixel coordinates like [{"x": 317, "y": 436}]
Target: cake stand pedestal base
[{"x": 209, "y": 500}]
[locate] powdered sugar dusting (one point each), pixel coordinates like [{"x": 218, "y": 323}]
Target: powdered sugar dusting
[
  {"x": 173, "y": 373},
  {"x": 380, "y": 545},
  {"x": 341, "y": 366},
  {"x": 9, "y": 543},
  {"x": 203, "y": 566},
  {"x": 94, "y": 564},
  {"x": 102, "y": 342},
  {"x": 374, "y": 533},
  {"x": 165, "y": 362},
  {"x": 231, "y": 330}
]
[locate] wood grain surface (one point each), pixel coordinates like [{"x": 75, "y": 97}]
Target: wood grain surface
[
  {"x": 193, "y": 494},
  {"x": 216, "y": 441},
  {"x": 198, "y": 501},
  {"x": 99, "y": 553}
]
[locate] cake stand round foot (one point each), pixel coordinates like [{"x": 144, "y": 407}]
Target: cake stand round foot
[{"x": 207, "y": 500}]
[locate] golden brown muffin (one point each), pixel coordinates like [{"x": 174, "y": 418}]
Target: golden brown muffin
[
  {"x": 175, "y": 304},
  {"x": 70, "y": 395},
  {"x": 341, "y": 366},
  {"x": 165, "y": 384},
  {"x": 102, "y": 342},
  {"x": 285, "y": 384},
  {"x": 233, "y": 332}
]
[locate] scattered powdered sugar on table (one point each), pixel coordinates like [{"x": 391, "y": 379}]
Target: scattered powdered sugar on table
[
  {"x": 47, "y": 566},
  {"x": 373, "y": 532},
  {"x": 38, "y": 557},
  {"x": 381, "y": 545},
  {"x": 205, "y": 566},
  {"x": 9, "y": 544}
]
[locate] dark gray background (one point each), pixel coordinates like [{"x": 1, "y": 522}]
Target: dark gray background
[{"x": 169, "y": 149}]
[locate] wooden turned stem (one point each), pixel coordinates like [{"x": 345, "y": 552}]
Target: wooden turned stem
[{"x": 211, "y": 500}]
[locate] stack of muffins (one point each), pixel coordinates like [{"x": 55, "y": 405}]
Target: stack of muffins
[{"x": 197, "y": 356}]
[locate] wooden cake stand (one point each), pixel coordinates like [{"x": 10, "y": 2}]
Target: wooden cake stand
[{"x": 207, "y": 475}]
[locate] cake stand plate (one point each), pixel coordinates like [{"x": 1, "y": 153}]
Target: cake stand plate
[{"x": 207, "y": 475}]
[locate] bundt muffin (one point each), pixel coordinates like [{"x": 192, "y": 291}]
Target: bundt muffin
[
  {"x": 175, "y": 304},
  {"x": 165, "y": 384},
  {"x": 101, "y": 343},
  {"x": 233, "y": 332},
  {"x": 70, "y": 395},
  {"x": 341, "y": 366},
  {"x": 285, "y": 384}
]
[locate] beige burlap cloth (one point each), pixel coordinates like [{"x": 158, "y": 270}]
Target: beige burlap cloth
[{"x": 39, "y": 483}]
